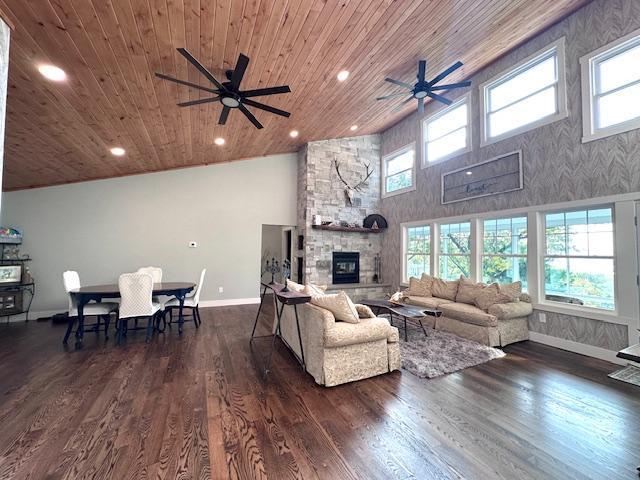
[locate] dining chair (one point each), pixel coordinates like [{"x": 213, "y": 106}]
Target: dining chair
[
  {"x": 155, "y": 272},
  {"x": 191, "y": 302},
  {"x": 136, "y": 290},
  {"x": 102, "y": 310}
]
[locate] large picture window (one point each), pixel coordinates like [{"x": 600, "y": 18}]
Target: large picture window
[
  {"x": 526, "y": 97},
  {"x": 417, "y": 255},
  {"x": 579, "y": 258},
  {"x": 504, "y": 251},
  {"x": 613, "y": 88},
  {"x": 398, "y": 171},
  {"x": 454, "y": 257},
  {"x": 447, "y": 133}
]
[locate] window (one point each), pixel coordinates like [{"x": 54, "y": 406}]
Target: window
[
  {"x": 611, "y": 88},
  {"x": 528, "y": 96},
  {"x": 417, "y": 256},
  {"x": 399, "y": 172},
  {"x": 504, "y": 251},
  {"x": 447, "y": 133},
  {"x": 579, "y": 259},
  {"x": 455, "y": 251}
]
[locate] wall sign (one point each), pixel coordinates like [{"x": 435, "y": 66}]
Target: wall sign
[{"x": 498, "y": 175}]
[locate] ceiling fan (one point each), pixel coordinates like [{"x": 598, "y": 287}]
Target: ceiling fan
[
  {"x": 228, "y": 93},
  {"x": 423, "y": 89}
]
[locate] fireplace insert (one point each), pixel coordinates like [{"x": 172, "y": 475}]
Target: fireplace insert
[{"x": 346, "y": 267}]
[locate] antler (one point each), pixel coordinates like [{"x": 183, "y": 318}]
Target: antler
[
  {"x": 337, "y": 165},
  {"x": 363, "y": 181}
]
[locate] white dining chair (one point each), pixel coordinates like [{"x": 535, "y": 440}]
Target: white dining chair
[
  {"x": 136, "y": 290},
  {"x": 101, "y": 310},
  {"x": 191, "y": 302},
  {"x": 155, "y": 272}
]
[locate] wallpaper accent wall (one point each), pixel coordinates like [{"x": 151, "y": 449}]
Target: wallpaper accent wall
[{"x": 557, "y": 165}]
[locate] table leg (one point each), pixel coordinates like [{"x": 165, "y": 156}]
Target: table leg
[
  {"x": 275, "y": 334},
  {"x": 295, "y": 309},
  {"x": 255, "y": 324},
  {"x": 70, "y": 321},
  {"x": 406, "y": 335},
  {"x": 80, "y": 330},
  {"x": 422, "y": 326},
  {"x": 180, "y": 312}
]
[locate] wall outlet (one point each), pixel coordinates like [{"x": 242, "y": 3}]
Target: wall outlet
[
  {"x": 220, "y": 289},
  {"x": 193, "y": 244},
  {"x": 542, "y": 317}
]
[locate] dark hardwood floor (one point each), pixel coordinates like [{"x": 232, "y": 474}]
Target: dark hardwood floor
[{"x": 196, "y": 407}]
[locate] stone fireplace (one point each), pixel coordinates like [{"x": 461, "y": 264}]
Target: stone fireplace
[{"x": 321, "y": 192}]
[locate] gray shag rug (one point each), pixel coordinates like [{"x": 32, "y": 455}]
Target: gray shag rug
[{"x": 441, "y": 352}]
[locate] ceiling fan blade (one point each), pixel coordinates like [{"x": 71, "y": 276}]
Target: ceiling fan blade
[
  {"x": 448, "y": 71},
  {"x": 250, "y": 116},
  {"x": 238, "y": 72},
  {"x": 398, "y": 82},
  {"x": 183, "y": 82},
  {"x": 198, "y": 102},
  {"x": 440, "y": 98},
  {"x": 421, "y": 105},
  {"x": 401, "y": 106},
  {"x": 267, "y": 108},
  {"x": 452, "y": 85},
  {"x": 223, "y": 115},
  {"x": 422, "y": 70},
  {"x": 266, "y": 91},
  {"x": 200, "y": 67},
  {"x": 397, "y": 94}
]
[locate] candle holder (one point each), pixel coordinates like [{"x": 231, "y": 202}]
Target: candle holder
[{"x": 272, "y": 268}]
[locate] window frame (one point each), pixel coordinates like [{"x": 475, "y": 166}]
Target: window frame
[
  {"x": 482, "y": 253},
  {"x": 562, "y": 110},
  {"x": 405, "y": 247},
  {"x": 466, "y": 98},
  {"x": 542, "y": 256},
  {"x": 390, "y": 156},
  {"x": 588, "y": 64},
  {"x": 437, "y": 254}
]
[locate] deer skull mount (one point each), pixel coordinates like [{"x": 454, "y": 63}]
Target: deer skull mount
[{"x": 350, "y": 191}]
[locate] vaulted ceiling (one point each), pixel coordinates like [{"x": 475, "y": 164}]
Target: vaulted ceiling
[{"x": 62, "y": 132}]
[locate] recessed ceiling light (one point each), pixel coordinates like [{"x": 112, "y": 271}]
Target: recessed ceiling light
[
  {"x": 353, "y": 128},
  {"x": 294, "y": 133},
  {"x": 469, "y": 173},
  {"x": 219, "y": 141},
  {"x": 118, "y": 151},
  {"x": 51, "y": 72},
  {"x": 343, "y": 75}
]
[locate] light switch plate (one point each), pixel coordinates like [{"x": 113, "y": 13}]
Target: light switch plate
[
  {"x": 220, "y": 289},
  {"x": 542, "y": 317}
]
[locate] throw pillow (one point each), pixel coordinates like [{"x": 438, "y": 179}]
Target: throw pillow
[
  {"x": 512, "y": 290},
  {"x": 468, "y": 290},
  {"x": 313, "y": 290},
  {"x": 490, "y": 295},
  {"x": 420, "y": 287},
  {"x": 339, "y": 304},
  {"x": 294, "y": 287},
  {"x": 444, "y": 289}
]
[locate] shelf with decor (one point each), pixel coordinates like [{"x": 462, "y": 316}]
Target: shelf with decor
[
  {"x": 340, "y": 228},
  {"x": 17, "y": 287}
]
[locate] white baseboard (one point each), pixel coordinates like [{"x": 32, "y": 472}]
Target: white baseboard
[
  {"x": 230, "y": 301},
  {"x": 576, "y": 347}
]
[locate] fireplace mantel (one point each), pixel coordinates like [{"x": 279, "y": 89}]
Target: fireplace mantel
[{"x": 340, "y": 228}]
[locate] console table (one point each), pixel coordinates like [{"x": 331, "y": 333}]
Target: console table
[{"x": 290, "y": 298}]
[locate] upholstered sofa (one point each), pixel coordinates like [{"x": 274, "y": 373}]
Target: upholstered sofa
[
  {"x": 498, "y": 324},
  {"x": 339, "y": 352}
]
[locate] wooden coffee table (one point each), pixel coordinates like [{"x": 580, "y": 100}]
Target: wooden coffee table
[{"x": 403, "y": 311}]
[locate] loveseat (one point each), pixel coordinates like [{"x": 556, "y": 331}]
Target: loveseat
[
  {"x": 338, "y": 352},
  {"x": 494, "y": 315}
]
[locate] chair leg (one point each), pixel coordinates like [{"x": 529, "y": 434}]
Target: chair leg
[
  {"x": 119, "y": 326},
  {"x": 107, "y": 320},
  {"x": 198, "y": 315},
  {"x": 150, "y": 322},
  {"x": 97, "y": 327}
]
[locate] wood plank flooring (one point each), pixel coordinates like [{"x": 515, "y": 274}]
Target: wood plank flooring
[{"x": 196, "y": 407}]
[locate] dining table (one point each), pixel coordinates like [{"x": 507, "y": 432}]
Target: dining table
[{"x": 97, "y": 293}]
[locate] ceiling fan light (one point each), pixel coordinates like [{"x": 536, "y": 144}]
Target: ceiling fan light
[
  {"x": 420, "y": 94},
  {"x": 230, "y": 102}
]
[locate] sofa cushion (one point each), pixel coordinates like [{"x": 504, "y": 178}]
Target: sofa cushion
[
  {"x": 339, "y": 304},
  {"x": 444, "y": 289},
  {"x": 490, "y": 295},
  {"x": 368, "y": 330},
  {"x": 314, "y": 290},
  {"x": 506, "y": 311},
  {"x": 364, "y": 311},
  {"x": 294, "y": 287},
  {"x": 468, "y": 290},
  {"x": 429, "y": 302},
  {"x": 468, "y": 314},
  {"x": 420, "y": 287},
  {"x": 512, "y": 290}
]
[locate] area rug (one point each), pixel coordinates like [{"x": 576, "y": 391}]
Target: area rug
[
  {"x": 440, "y": 353},
  {"x": 630, "y": 374}
]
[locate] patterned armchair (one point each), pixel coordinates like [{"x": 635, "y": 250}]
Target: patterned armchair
[{"x": 339, "y": 352}]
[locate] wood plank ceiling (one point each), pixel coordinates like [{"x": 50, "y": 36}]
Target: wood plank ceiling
[{"x": 62, "y": 132}]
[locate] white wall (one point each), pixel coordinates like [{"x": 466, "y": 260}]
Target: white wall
[{"x": 107, "y": 227}]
